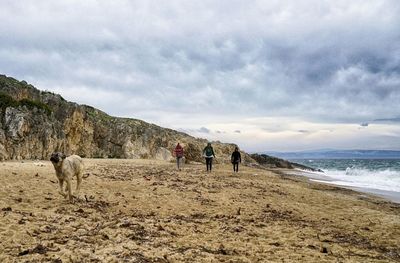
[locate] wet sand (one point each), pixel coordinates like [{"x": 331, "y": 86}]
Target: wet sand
[{"x": 147, "y": 211}]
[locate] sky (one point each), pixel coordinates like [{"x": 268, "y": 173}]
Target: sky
[{"x": 267, "y": 75}]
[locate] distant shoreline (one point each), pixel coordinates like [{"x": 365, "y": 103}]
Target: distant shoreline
[
  {"x": 338, "y": 154},
  {"x": 352, "y": 158}
]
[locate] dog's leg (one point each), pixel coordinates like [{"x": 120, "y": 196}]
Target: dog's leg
[
  {"x": 78, "y": 182},
  {"x": 61, "y": 183},
  {"x": 69, "y": 190}
]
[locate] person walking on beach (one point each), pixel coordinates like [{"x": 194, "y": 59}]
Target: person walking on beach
[
  {"x": 208, "y": 153},
  {"x": 236, "y": 159},
  {"x": 178, "y": 152}
]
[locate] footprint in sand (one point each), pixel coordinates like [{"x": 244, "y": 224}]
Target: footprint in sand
[
  {"x": 3, "y": 228},
  {"x": 9, "y": 233}
]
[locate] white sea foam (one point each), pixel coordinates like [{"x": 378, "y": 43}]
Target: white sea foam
[{"x": 387, "y": 180}]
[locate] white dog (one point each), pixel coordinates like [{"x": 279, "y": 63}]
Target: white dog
[{"x": 66, "y": 168}]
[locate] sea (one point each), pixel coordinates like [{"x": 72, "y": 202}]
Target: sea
[{"x": 377, "y": 176}]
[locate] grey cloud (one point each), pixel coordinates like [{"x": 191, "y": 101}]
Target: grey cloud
[
  {"x": 303, "y": 131},
  {"x": 308, "y": 63},
  {"x": 203, "y": 130},
  {"x": 388, "y": 120}
]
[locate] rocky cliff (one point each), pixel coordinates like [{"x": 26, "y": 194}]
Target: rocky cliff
[{"x": 35, "y": 123}]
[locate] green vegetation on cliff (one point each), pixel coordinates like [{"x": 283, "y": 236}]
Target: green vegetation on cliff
[{"x": 8, "y": 101}]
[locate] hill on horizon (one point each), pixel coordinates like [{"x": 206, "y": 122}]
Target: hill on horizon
[{"x": 337, "y": 154}]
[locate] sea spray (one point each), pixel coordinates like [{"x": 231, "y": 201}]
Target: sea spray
[{"x": 372, "y": 174}]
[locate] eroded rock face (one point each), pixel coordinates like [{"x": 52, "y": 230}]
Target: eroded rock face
[
  {"x": 15, "y": 123},
  {"x": 135, "y": 150},
  {"x": 35, "y": 123},
  {"x": 164, "y": 154},
  {"x": 3, "y": 153}
]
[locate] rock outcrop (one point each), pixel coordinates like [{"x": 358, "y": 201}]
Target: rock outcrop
[
  {"x": 273, "y": 162},
  {"x": 35, "y": 123}
]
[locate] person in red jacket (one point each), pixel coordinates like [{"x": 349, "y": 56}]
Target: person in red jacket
[{"x": 178, "y": 153}]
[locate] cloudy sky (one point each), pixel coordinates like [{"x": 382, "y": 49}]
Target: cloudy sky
[{"x": 268, "y": 75}]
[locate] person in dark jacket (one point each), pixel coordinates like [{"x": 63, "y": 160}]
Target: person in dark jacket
[
  {"x": 178, "y": 152},
  {"x": 208, "y": 153},
  {"x": 236, "y": 159}
]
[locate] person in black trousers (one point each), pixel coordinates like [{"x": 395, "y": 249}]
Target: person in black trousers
[
  {"x": 236, "y": 159},
  {"x": 209, "y": 154}
]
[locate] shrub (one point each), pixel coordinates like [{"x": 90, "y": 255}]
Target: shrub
[
  {"x": 8, "y": 101},
  {"x": 30, "y": 104}
]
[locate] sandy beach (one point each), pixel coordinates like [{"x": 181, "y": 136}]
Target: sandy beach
[{"x": 147, "y": 211}]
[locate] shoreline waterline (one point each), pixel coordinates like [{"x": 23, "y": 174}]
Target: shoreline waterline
[
  {"x": 380, "y": 177},
  {"x": 391, "y": 196},
  {"x": 388, "y": 195}
]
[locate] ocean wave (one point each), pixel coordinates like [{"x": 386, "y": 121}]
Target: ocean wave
[{"x": 387, "y": 180}]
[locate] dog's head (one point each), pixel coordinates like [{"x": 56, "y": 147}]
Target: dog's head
[{"x": 57, "y": 157}]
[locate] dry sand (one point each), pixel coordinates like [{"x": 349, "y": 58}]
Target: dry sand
[{"x": 147, "y": 211}]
